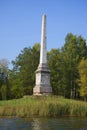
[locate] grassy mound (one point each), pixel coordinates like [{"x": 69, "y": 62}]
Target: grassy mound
[{"x": 50, "y": 106}]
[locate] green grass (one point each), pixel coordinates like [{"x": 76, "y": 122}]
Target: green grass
[{"x": 43, "y": 106}]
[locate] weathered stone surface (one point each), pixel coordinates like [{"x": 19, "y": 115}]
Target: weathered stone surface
[{"x": 38, "y": 90}]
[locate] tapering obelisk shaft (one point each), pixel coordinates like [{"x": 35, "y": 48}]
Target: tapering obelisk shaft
[
  {"x": 43, "y": 57},
  {"x": 42, "y": 85}
]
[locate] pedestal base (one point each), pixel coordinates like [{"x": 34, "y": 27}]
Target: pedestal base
[
  {"x": 37, "y": 90},
  {"x": 42, "y": 85}
]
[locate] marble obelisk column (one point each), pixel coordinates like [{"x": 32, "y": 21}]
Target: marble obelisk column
[
  {"x": 43, "y": 57},
  {"x": 42, "y": 85}
]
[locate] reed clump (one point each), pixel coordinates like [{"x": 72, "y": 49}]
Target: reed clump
[{"x": 44, "y": 106}]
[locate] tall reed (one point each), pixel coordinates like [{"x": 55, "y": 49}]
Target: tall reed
[{"x": 44, "y": 106}]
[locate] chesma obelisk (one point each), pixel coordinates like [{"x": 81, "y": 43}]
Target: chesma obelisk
[{"x": 42, "y": 85}]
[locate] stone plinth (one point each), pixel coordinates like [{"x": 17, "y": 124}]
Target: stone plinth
[
  {"x": 38, "y": 90},
  {"x": 42, "y": 81}
]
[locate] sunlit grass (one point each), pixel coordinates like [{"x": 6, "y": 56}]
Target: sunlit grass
[{"x": 43, "y": 106}]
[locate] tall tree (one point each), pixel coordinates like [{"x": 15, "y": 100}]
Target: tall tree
[
  {"x": 55, "y": 61},
  {"x": 74, "y": 49}
]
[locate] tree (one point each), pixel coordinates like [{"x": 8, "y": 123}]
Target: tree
[
  {"x": 82, "y": 67},
  {"x": 4, "y": 83},
  {"x": 4, "y": 65},
  {"x": 74, "y": 49},
  {"x": 63, "y": 64},
  {"x": 4, "y": 92},
  {"x": 22, "y": 77},
  {"x": 56, "y": 65}
]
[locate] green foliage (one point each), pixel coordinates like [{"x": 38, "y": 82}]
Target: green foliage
[
  {"x": 83, "y": 77},
  {"x": 4, "y": 83},
  {"x": 55, "y": 60},
  {"x": 4, "y": 65},
  {"x": 63, "y": 64},
  {"x": 22, "y": 77},
  {"x": 73, "y": 51},
  {"x": 4, "y": 92}
]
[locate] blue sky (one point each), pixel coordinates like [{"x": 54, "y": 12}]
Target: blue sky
[{"x": 20, "y": 23}]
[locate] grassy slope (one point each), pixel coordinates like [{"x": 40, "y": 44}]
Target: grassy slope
[{"x": 43, "y": 107}]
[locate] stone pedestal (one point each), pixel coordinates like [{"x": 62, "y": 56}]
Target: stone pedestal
[{"x": 42, "y": 85}]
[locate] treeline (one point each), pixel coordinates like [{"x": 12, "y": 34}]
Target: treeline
[{"x": 68, "y": 67}]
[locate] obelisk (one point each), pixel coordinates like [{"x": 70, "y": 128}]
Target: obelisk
[{"x": 42, "y": 84}]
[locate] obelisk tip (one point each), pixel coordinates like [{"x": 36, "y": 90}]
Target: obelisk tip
[{"x": 44, "y": 15}]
